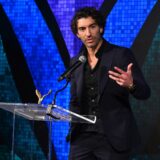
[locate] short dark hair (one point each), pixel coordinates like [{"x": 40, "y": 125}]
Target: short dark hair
[{"x": 87, "y": 12}]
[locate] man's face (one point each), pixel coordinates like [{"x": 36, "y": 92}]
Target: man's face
[{"x": 89, "y": 32}]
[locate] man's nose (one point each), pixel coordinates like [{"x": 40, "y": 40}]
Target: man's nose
[{"x": 88, "y": 32}]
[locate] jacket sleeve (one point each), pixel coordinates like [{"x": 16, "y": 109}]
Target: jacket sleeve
[
  {"x": 142, "y": 90},
  {"x": 73, "y": 94},
  {"x": 73, "y": 104}
]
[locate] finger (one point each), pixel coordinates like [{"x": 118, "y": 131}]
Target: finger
[
  {"x": 129, "y": 67},
  {"x": 120, "y": 80},
  {"x": 114, "y": 73},
  {"x": 117, "y": 79},
  {"x": 113, "y": 78},
  {"x": 119, "y": 70},
  {"x": 120, "y": 83}
]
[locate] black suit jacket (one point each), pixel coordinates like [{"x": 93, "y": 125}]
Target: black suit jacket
[{"x": 115, "y": 111}]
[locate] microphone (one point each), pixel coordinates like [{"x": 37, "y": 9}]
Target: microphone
[{"x": 81, "y": 59}]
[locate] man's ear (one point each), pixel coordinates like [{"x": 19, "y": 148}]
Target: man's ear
[{"x": 101, "y": 30}]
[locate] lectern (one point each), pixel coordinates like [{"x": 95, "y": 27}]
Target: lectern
[{"x": 39, "y": 112}]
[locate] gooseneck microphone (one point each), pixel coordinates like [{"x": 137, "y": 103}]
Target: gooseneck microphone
[{"x": 68, "y": 72}]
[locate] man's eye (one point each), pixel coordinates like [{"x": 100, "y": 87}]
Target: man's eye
[
  {"x": 81, "y": 29},
  {"x": 93, "y": 26}
]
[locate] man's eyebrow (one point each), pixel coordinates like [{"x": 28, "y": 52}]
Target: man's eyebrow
[
  {"x": 89, "y": 25},
  {"x": 93, "y": 24}
]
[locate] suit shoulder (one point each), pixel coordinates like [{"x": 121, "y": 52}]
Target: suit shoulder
[
  {"x": 121, "y": 51},
  {"x": 121, "y": 48}
]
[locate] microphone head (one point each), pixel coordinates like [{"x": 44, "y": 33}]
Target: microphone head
[{"x": 82, "y": 59}]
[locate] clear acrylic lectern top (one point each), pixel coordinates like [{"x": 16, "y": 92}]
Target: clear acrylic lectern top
[{"x": 38, "y": 112}]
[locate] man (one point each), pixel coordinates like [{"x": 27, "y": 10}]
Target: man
[{"x": 101, "y": 87}]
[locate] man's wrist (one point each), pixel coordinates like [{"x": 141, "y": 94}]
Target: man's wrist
[{"x": 131, "y": 87}]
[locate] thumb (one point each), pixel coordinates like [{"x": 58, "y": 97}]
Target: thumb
[{"x": 129, "y": 67}]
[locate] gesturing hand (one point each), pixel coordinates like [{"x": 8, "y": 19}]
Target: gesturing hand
[{"x": 123, "y": 78}]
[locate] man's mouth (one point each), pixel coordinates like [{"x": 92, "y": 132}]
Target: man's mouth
[{"x": 89, "y": 40}]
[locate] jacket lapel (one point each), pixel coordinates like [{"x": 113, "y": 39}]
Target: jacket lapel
[
  {"x": 79, "y": 81},
  {"x": 105, "y": 66}
]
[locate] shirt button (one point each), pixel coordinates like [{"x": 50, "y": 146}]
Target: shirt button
[
  {"x": 94, "y": 112},
  {"x": 93, "y": 100}
]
